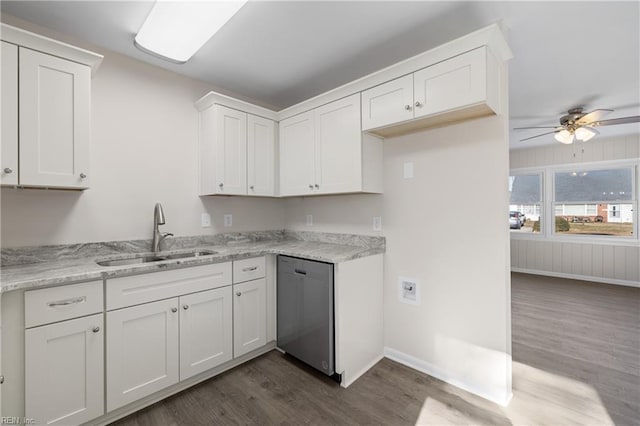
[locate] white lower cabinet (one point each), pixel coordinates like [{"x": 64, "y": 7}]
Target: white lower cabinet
[
  {"x": 249, "y": 316},
  {"x": 206, "y": 339},
  {"x": 64, "y": 371},
  {"x": 142, "y": 351}
]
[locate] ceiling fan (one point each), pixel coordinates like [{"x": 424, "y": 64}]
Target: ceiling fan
[{"x": 579, "y": 125}]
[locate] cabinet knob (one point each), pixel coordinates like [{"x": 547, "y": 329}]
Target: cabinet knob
[
  {"x": 407, "y": 107},
  {"x": 8, "y": 170},
  {"x": 185, "y": 307},
  {"x": 317, "y": 186},
  {"x": 83, "y": 176},
  {"x": 238, "y": 293},
  {"x": 1, "y": 380},
  {"x": 221, "y": 184},
  {"x": 418, "y": 104},
  {"x": 95, "y": 329},
  {"x": 310, "y": 186},
  {"x": 251, "y": 187},
  {"x": 174, "y": 310}
]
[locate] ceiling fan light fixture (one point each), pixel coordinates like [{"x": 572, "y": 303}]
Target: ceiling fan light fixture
[
  {"x": 176, "y": 30},
  {"x": 586, "y": 133},
  {"x": 564, "y": 136}
]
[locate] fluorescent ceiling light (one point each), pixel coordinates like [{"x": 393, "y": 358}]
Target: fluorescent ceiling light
[
  {"x": 175, "y": 30},
  {"x": 564, "y": 136},
  {"x": 585, "y": 133}
]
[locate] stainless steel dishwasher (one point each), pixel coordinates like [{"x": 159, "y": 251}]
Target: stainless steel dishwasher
[{"x": 305, "y": 312}]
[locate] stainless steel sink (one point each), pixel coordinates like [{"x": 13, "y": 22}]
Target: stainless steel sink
[
  {"x": 135, "y": 259},
  {"x": 130, "y": 261},
  {"x": 190, "y": 254}
]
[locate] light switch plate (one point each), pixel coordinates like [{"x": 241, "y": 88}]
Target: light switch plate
[
  {"x": 228, "y": 220},
  {"x": 408, "y": 170},
  {"x": 309, "y": 220},
  {"x": 377, "y": 223},
  {"x": 205, "y": 220}
]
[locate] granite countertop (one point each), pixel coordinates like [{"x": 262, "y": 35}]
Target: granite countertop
[{"x": 26, "y": 268}]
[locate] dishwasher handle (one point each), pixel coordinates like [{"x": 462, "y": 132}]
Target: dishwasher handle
[{"x": 300, "y": 272}]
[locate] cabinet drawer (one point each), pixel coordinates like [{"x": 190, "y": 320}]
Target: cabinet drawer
[
  {"x": 61, "y": 303},
  {"x": 137, "y": 289},
  {"x": 248, "y": 269}
]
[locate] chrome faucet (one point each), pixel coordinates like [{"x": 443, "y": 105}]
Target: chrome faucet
[{"x": 158, "y": 219}]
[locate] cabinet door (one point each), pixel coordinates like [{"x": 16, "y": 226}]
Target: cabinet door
[
  {"x": 64, "y": 371},
  {"x": 338, "y": 146},
  {"x": 297, "y": 155},
  {"x": 249, "y": 316},
  {"x": 55, "y": 115},
  {"x": 206, "y": 339},
  {"x": 9, "y": 153},
  {"x": 231, "y": 151},
  {"x": 142, "y": 351},
  {"x": 389, "y": 103},
  {"x": 261, "y": 147},
  {"x": 452, "y": 84}
]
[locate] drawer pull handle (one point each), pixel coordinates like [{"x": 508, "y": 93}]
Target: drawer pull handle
[
  {"x": 300, "y": 272},
  {"x": 67, "y": 302},
  {"x": 252, "y": 268},
  {"x": 95, "y": 329}
]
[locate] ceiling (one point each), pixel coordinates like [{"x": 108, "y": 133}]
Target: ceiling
[{"x": 276, "y": 54}]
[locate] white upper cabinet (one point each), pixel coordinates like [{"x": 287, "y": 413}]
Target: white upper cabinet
[
  {"x": 9, "y": 73},
  {"x": 261, "y": 148},
  {"x": 454, "y": 83},
  {"x": 297, "y": 154},
  {"x": 388, "y": 103},
  {"x": 459, "y": 88},
  {"x": 230, "y": 151},
  {"x": 237, "y": 150},
  {"x": 55, "y": 114},
  {"x": 323, "y": 151},
  {"x": 46, "y": 111},
  {"x": 338, "y": 147}
]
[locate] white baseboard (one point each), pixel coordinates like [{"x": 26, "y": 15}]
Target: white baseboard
[
  {"x": 499, "y": 397},
  {"x": 577, "y": 277}
]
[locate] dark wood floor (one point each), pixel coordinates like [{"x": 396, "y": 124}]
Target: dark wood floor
[{"x": 576, "y": 351}]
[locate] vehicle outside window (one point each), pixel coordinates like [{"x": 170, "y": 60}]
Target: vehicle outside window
[{"x": 525, "y": 202}]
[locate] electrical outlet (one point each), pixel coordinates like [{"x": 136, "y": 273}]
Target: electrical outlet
[
  {"x": 377, "y": 223},
  {"x": 228, "y": 220},
  {"x": 309, "y": 220},
  {"x": 205, "y": 220},
  {"x": 409, "y": 290},
  {"x": 408, "y": 170}
]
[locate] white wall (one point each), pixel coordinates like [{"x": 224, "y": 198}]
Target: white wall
[
  {"x": 144, "y": 148},
  {"x": 614, "y": 263}
]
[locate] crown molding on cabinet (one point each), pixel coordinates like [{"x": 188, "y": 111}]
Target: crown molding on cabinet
[
  {"x": 491, "y": 36},
  {"x": 50, "y": 46}
]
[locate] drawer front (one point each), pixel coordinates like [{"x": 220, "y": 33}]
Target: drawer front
[
  {"x": 137, "y": 289},
  {"x": 61, "y": 303},
  {"x": 248, "y": 269}
]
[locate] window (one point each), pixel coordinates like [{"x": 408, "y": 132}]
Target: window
[
  {"x": 525, "y": 202},
  {"x": 594, "y": 202}
]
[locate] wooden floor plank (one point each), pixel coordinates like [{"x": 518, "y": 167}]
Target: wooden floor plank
[{"x": 576, "y": 353}]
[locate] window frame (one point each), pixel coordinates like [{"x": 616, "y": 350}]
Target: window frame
[
  {"x": 529, "y": 172},
  {"x": 547, "y": 229}
]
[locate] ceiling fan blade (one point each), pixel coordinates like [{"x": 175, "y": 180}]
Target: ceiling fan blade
[
  {"x": 593, "y": 116},
  {"x": 613, "y": 121},
  {"x": 545, "y": 127},
  {"x": 537, "y": 136}
]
